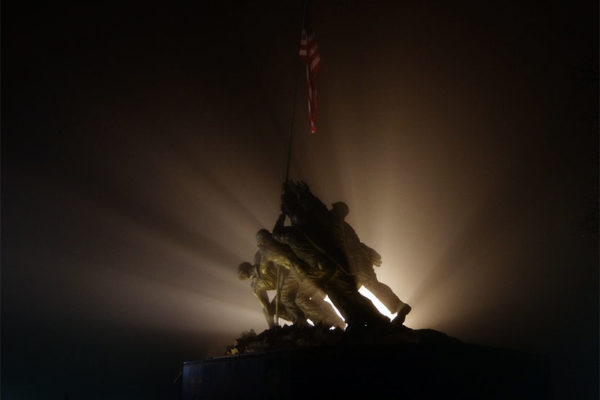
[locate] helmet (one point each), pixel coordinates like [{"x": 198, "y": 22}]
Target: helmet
[
  {"x": 262, "y": 235},
  {"x": 245, "y": 270},
  {"x": 340, "y": 209}
]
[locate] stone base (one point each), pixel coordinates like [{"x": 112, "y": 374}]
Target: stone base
[{"x": 425, "y": 369}]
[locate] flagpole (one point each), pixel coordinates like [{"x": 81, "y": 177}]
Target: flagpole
[
  {"x": 291, "y": 130},
  {"x": 289, "y": 152},
  {"x": 277, "y": 295},
  {"x": 292, "y": 120}
]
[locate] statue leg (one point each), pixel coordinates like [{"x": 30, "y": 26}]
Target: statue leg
[
  {"x": 283, "y": 314},
  {"x": 385, "y": 295},
  {"x": 367, "y": 278},
  {"x": 311, "y": 301},
  {"x": 332, "y": 318},
  {"x": 355, "y": 308},
  {"x": 289, "y": 293}
]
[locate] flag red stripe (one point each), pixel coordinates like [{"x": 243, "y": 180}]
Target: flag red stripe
[{"x": 309, "y": 53}]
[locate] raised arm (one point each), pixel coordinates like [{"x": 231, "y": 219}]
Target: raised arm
[{"x": 374, "y": 256}]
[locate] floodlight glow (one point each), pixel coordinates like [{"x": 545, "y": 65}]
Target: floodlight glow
[{"x": 378, "y": 304}]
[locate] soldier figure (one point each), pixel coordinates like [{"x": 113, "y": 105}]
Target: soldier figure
[
  {"x": 327, "y": 231},
  {"x": 260, "y": 283},
  {"x": 298, "y": 299},
  {"x": 361, "y": 259},
  {"x": 264, "y": 276},
  {"x": 318, "y": 254},
  {"x": 324, "y": 272}
]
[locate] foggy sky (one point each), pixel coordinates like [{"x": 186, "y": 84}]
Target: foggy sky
[{"x": 142, "y": 148}]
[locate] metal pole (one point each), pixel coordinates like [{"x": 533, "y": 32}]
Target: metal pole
[
  {"x": 291, "y": 131},
  {"x": 289, "y": 150},
  {"x": 277, "y": 297}
]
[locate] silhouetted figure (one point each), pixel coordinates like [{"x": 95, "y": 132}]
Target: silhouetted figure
[
  {"x": 305, "y": 295},
  {"x": 299, "y": 299},
  {"x": 311, "y": 217},
  {"x": 263, "y": 277},
  {"x": 361, "y": 259},
  {"x": 331, "y": 277},
  {"x": 327, "y": 231}
]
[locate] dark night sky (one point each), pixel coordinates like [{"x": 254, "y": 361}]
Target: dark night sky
[{"x": 143, "y": 147}]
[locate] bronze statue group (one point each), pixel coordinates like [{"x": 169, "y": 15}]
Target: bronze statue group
[{"x": 318, "y": 254}]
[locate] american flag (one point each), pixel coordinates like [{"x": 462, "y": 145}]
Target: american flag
[{"x": 309, "y": 53}]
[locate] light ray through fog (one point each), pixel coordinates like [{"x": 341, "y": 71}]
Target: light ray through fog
[{"x": 135, "y": 176}]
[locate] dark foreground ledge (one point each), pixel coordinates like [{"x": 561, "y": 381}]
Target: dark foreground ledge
[{"x": 438, "y": 369}]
